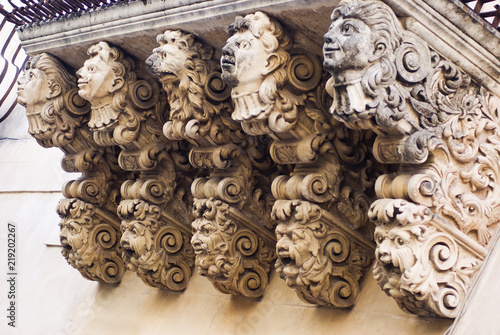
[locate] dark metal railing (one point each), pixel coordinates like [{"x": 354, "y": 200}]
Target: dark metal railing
[
  {"x": 41, "y": 10},
  {"x": 491, "y": 14}
]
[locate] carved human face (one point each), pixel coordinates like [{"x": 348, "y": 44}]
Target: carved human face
[
  {"x": 74, "y": 235},
  {"x": 207, "y": 242},
  {"x": 96, "y": 81},
  {"x": 244, "y": 62},
  {"x": 348, "y": 45},
  {"x": 396, "y": 247},
  {"x": 170, "y": 58},
  {"x": 296, "y": 248},
  {"x": 33, "y": 89},
  {"x": 136, "y": 238}
]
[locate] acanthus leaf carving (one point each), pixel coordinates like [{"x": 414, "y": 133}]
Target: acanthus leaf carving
[
  {"x": 439, "y": 131},
  {"x": 278, "y": 90},
  {"x": 90, "y": 243},
  {"x": 230, "y": 167}
]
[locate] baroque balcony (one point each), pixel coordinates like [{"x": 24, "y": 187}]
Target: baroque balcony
[{"x": 319, "y": 152}]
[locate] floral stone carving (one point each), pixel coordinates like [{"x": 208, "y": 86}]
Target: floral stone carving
[
  {"x": 57, "y": 117},
  {"x": 277, "y": 91},
  {"x": 128, "y": 111},
  {"x": 232, "y": 240},
  {"x": 439, "y": 130}
]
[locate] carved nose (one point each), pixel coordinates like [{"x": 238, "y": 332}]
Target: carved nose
[
  {"x": 79, "y": 73},
  {"x": 227, "y": 50},
  {"x": 282, "y": 245},
  {"x": 384, "y": 252},
  {"x": 328, "y": 38},
  {"x": 64, "y": 240}
]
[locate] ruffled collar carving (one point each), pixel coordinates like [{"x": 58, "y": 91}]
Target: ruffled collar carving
[
  {"x": 249, "y": 106},
  {"x": 103, "y": 117}
]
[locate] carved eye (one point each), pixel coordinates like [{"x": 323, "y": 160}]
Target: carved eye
[
  {"x": 379, "y": 239},
  {"x": 31, "y": 75},
  {"x": 244, "y": 44},
  {"x": 348, "y": 29},
  {"x": 182, "y": 45},
  {"x": 471, "y": 210},
  {"x": 399, "y": 241}
]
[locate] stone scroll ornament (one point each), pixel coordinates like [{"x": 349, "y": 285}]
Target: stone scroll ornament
[
  {"x": 232, "y": 236},
  {"x": 128, "y": 110},
  {"x": 324, "y": 238},
  {"x": 439, "y": 130},
  {"x": 57, "y": 117}
]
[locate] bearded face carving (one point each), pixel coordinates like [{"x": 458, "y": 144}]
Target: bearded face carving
[
  {"x": 89, "y": 243},
  {"x": 316, "y": 259},
  {"x": 416, "y": 262},
  {"x": 155, "y": 250},
  {"x": 136, "y": 241},
  {"x": 74, "y": 238},
  {"x": 211, "y": 246},
  {"x": 298, "y": 247}
]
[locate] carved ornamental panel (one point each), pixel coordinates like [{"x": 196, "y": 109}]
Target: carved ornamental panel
[
  {"x": 438, "y": 130},
  {"x": 263, "y": 157},
  {"x": 324, "y": 236}
]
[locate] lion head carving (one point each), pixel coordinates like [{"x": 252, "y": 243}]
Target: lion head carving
[{"x": 195, "y": 91}]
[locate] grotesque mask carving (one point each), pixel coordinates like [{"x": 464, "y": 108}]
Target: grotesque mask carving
[
  {"x": 319, "y": 262},
  {"x": 89, "y": 243},
  {"x": 232, "y": 257},
  {"x": 158, "y": 252},
  {"x": 421, "y": 267}
]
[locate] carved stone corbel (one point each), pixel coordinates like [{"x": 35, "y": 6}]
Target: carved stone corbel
[
  {"x": 57, "y": 118},
  {"x": 128, "y": 111},
  {"x": 232, "y": 240},
  {"x": 440, "y": 132},
  {"x": 324, "y": 236}
]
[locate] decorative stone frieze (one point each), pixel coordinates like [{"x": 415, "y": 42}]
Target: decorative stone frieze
[
  {"x": 232, "y": 240},
  {"x": 57, "y": 118},
  {"x": 128, "y": 111},
  {"x": 324, "y": 236},
  {"x": 439, "y": 131}
]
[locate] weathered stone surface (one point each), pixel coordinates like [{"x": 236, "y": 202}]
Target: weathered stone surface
[
  {"x": 232, "y": 238},
  {"x": 324, "y": 245},
  {"x": 439, "y": 131}
]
